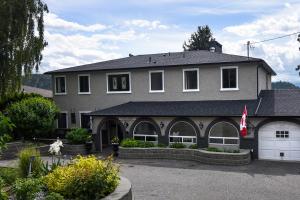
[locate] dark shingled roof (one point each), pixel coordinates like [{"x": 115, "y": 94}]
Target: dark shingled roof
[
  {"x": 201, "y": 57},
  {"x": 180, "y": 108},
  {"x": 279, "y": 103},
  {"x": 271, "y": 103}
]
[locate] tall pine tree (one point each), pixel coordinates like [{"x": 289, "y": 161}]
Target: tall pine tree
[
  {"x": 21, "y": 41},
  {"x": 200, "y": 40}
]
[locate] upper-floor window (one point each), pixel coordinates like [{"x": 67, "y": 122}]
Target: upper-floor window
[
  {"x": 60, "y": 85},
  {"x": 62, "y": 120},
  {"x": 229, "y": 78},
  {"x": 156, "y": 81},
  {"x": 118, "y": 82},
  {"x": 190, "y": 80},
  {"x": 84, "y": 84}
]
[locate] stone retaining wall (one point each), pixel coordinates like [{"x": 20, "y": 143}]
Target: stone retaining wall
[{"x": 199, "y": 155}]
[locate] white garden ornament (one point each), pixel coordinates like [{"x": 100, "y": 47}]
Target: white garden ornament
[{"x": 55, "y": 147}]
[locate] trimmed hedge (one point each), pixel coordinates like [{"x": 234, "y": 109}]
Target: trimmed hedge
[{"x": 129, "y": 142}]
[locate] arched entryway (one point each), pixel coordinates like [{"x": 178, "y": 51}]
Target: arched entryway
[{"x": 107, "y": 129}]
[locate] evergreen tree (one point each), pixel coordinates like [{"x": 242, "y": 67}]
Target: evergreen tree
[
  {"x": 200, "y": 40},
  {"x": 21, "y": 41}
]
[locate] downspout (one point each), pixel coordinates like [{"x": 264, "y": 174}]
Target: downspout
[{"x": 257, "y": 81}]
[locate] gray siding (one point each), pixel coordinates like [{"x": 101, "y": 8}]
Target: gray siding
[{"x": 209, "y": 84}]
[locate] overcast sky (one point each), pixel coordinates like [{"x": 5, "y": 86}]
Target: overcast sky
[{"x": 86, "y": 31}]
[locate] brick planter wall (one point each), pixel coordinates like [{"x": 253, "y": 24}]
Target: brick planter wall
[{"x": 199, "y": 155}]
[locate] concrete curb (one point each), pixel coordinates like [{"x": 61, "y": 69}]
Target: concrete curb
[{"x": 122, "y": 192}]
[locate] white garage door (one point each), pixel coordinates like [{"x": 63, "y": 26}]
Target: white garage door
[{"x": 279, "y": 141}]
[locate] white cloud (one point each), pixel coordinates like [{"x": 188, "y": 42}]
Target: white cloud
[
  {"x": 53, "y": 21},
  {"x": 141, "y": 23},
  {"x": 283, "y": 54}
]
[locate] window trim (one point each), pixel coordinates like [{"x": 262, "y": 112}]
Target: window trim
[
  {"x": 163, "y": 81},
  {"x": 143, "y": 135},
  {"x": 237, "y": 78},
  {"x": 67, "y": 125},
  {"x": 60, "y": 93},
  {"x": 224, "y": 138},
  {"x": 182, "y": 136},
  {"x": 89, "y": 77},
  {"x": 183, "y": 80},
  {"x": 118, "y": 92},
  {"x": 82, "y": 112}
]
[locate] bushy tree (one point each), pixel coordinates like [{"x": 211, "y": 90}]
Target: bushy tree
[
  {"x": 33, "y": 117},
  {"x": 21, "y": 41},
  {"x": 14, "y": 97},
  {"x": 200, "y": 40}
]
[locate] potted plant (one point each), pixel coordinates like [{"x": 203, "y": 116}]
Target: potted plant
[{"x": 115, "y": 145}]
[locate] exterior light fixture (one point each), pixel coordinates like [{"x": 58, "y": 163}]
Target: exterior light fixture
[
  {"x": 161, "y": 124},
  {"x": 201, "y": 125},
  {"x": 125, "y": 124}
]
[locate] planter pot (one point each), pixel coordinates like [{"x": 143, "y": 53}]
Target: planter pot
[
  {"x": 74, "y": 149},
  {"x": 89, "y": 146},
  {"x": 115, "y": 147}
]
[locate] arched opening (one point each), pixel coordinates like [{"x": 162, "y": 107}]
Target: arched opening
[
  {"x": 182, "y": 132},
  {"x": 109, "y": 128},
  {"x": 145, "y": 131},
  {"x": 223, "y": 134}
]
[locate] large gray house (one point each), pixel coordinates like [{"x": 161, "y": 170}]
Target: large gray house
[{"x": 193, "y": 97}]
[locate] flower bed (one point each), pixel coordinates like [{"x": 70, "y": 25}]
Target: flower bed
[{"x": 200, "y": 155}]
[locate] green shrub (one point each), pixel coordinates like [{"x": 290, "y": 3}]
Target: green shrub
[
  {"x": 33, "y": 117},
  {"x": 3, "y": 194},
  {"x": 161, "y": 145},
  {"x": 54, "y": 196},
  {"x": 6, "y": 128},
  {"x": 214, "y": 149},
  {"x": 86, "y": 178},
  {"x": 129, "y": 142},
  {"x": 177, "y": 145},
  {"x": 15, "y": 97},
  {"x": 193, "y": 146},
  {"x": 78, "y": 136},
  {"x": 27, "y": 188},
  {"x": 146, "y": 144},
  {"x": 9, "y": 175},
  {"x": 24, "y": 160}
]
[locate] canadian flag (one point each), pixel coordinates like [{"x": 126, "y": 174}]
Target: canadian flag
[{"x": 243, "y": 125}]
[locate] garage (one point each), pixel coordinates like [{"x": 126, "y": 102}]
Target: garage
[{"x": 279, "y": 140}]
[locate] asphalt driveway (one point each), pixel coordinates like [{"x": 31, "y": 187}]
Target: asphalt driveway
[{"x": 169, "y": 179}]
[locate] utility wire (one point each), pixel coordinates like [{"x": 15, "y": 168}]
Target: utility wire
[{"x": 266, "y": 40}]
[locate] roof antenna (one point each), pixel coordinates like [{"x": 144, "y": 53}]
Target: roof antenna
[
  {"x": 149, "y": 59},
  {"x": 248, "y": 48}
]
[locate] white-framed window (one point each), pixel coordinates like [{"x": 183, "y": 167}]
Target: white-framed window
[
  {"x": 156, "y": 81},
  {"x": 84, "y": 84},
  {"x": 145, "y": 131},
  {"x": 62, "y": 120},
  {"x": 190, "y": 80},
  {"x": 229, "y": 78},
  {"x": 118, "y": 82},
  {"x": 60, "y": 85},
  {"x": 182, "y": 132},
  {"x": 282, "y": 134},
  {"x": 85, "y": 120},
  {"x": 223, "y": 133}
]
